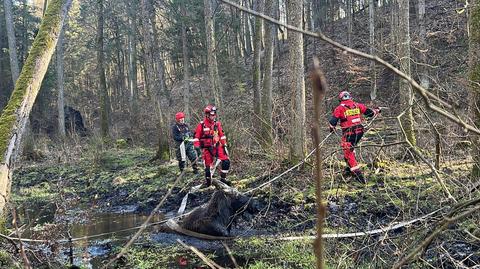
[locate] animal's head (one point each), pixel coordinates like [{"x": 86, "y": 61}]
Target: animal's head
[{"x": 243, "y": 203}]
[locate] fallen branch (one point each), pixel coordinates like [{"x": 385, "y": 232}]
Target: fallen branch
[
  {"x": 444, "y": 225},
  {"x": 202, "y": 256}
]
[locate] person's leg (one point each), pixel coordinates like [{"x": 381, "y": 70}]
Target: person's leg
[
  {"x": 354, "y": 139},
  {"x": 207, "y": 161},
  {"x": 225, "y": 165},
  {"x": 181, "y": 164},
  {"x": 192, "y": 156}
]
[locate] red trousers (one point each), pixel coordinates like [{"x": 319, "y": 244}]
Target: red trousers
[
  {"x": 209, "y": 155},
  {"x": 350, "y": 138}
]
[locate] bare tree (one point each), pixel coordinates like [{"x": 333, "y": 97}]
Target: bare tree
[
  {"x": 186, "y": 65},
  {"x": 257, "y": 71},
  {"x": 212, "y": 66},
  {"x": 14, "y": 116},
  {"x": 60, "y": 82},
  {"x": 267, "y": 96},
  {"x": 12, "y": 46},
  {"x": 371, "y": 24},
  {"x": 474, "y": 66},
  {"x": 295, "y": 74},
  {"x": 405, "y": 89},
  {"x": 105, "y": 104}
]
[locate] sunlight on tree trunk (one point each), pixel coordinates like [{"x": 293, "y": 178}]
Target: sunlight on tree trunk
[
  {"x": 105, "y": 104},
  {"x": 267, "y": 93},
  {"x": 405, "y": 89},
  {"x": 15, "y": 115},
  {"x": 297, "y": 84},
  {"x": 60, "y": 82},
  {"x": 214, "y": 78}
]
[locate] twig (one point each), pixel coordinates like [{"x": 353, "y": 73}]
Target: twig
[
  {"x": 417, "y": 152},
  {"x": 319, "y": 88},
  {"x": 230, "y": 254},
  {"x": 202, "y": 256},
  {"x": 426, "y": 95},
  {"x": 144, "y": 225},
  {"x": 22, "y": 249},
  {"x": 447, "y": 221}
]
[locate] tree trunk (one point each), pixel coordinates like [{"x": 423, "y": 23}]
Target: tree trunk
[
  {"x": 297, "y": 84},
  {"x": 371, "y": 23},
  {"x": 132, "y": 60},
  {"x": 349, "y": 22},
  {"x": 422, "y": 33},
  {"x": 60, "y": 82},
  {"x": 154, "y": 82},
  {"x": 406, "y": 91},
  {"x": 105, "y": 104},
  {"x": 257, "y": 73},
  {"x": 474, "y": 66},
  {"x": 14, "y": 116},
  {"x": 213, "y": 75},
  {"x": 12, "y": 47},
  {"x": 186, "y": 67},
  {"x": 267, "y": 96}
]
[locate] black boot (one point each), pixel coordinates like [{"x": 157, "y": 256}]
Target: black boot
[
  {"x": 223, "y": 179},
  {"x": 195, "y": 168},
  {"x": 359, "y": 177},
  {"x": 347, "y": 172},
  {"x": 207, "y": 183}
]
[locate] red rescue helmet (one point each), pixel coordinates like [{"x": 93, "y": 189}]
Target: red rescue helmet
[
  {"x": 212, "y": 110},
  {"x": 342, "y": 96},
  {"x": 179, "y": 116}
]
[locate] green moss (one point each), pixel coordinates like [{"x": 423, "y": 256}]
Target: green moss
[{"x": 42, "y": 46}]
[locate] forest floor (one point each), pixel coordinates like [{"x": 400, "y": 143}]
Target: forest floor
[{"x": 113, "y": 190}]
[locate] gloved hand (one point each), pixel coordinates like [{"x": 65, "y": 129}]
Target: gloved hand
[
  {"x": 216, "y": 139},
  {"x": 377, "y": 110},
  {"x": 186, "y": 137}
]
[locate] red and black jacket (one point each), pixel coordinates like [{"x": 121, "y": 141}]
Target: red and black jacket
[
  {"x": 207, "y": 132},
  {"x": 349, "y": 113}
]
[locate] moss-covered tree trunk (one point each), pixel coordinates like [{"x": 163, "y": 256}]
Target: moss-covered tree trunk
[
  {"x": 474, "y": 65},
  {"x": 15, "y": 115}
]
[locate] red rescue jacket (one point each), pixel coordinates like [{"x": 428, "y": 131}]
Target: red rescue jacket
[
  {"x": 209, "y": 134},
  {"x": 349, "y": 113}
]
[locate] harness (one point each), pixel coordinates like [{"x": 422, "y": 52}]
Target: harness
[
  {"x": 208, "y": 136},
  {"x": 352, "y": 123}
]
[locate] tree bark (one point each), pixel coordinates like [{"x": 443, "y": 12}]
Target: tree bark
[
  {"x": 132, "y": 60},
  {"x": 422, "y": 33},
  {"x": 295, "y": 74},
  {"x": 163, "y": 151},
  {"x": 474, "y": 75},
  {"x": 267, "y": 96},
  {"x": 212, "y": 66},
  {"x": 14, "y": 117},
  {"x": 105, "y": 104},
  {"x": 371, "y": 24},
  {"x": 186, "y": 66},
  {"x": 405, "y": 89},
  {"x": 349, "y": 22},
  {"x": 12, "y": 46},
  {"x": 257, "y": 73},
  {"x": 60, "y": 83}
]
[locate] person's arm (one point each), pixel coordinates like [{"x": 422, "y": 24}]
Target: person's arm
[
  {"x": 223, "y": 138},
  {"x": 197, "y": 135},
  {"x": 177, "y": 136},
  {"x": 336, "y": 115},
  {"x": 368, "y": 112}
]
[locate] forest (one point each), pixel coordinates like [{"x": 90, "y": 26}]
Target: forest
[{"x": 240, "y": 134}]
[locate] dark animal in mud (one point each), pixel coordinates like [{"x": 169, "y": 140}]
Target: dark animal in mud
[{"x": 218, "y": 215}]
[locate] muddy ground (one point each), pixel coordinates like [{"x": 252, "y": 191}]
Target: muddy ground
[{"x": 116, "y": 190}]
